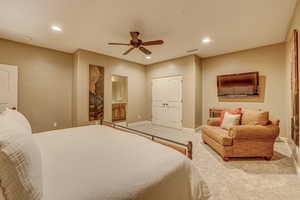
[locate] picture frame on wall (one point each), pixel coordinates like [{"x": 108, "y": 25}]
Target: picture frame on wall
[
  {"x": 295, "y": 89},
  {"x": 96, "y": 93}
]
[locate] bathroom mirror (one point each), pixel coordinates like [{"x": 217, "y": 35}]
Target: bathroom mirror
[{"x": 119, "y": 98}]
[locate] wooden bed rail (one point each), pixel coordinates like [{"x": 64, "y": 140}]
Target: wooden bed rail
[{"x": 186, "y": 149}]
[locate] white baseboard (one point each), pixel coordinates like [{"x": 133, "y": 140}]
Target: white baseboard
[
  {"x": 191, "y": 130},
  {"x": 140, "y": 123},
  {"x": 122, "y": 123},
  {"x": 188, "y": 130},
  {"x": 198, "y": 129}
]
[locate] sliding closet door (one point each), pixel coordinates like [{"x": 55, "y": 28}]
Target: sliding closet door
[
  {"x": 8, "y": 86},
  {"x": 167, "y": 102}
]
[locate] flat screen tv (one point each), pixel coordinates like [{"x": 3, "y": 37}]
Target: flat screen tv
[{"x": 238, "y": 85}]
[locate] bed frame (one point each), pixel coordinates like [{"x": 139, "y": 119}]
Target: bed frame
[{"x": 186, "y": 149}]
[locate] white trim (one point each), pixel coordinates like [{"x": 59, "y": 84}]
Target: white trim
[
  {"x": 191, "y": 130},
  {"x": 188, "y": 130},
  {"x": 12, "y": 100},
  {"x": 197, "y": 129},
  {"x": 167, "y": 76},
  {"x": 121, "y": 123},
  {"x": 140, "y": 123},
  {"x": 296, "y": 165}
]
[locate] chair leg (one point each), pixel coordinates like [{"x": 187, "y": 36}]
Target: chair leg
[
  {"x": 226, "y": 159},
  {"x": 268, "y": 157}
]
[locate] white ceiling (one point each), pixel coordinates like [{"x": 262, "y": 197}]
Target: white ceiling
[{"x": 90, "y": 24}]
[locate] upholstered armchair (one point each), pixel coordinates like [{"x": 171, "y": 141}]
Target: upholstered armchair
[{"x": 250, "y": 139}]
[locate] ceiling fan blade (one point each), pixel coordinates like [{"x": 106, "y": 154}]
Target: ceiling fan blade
[
  {"x": 127, "y": 52},
  {"x": 113, "y": 43},
  {"x": 145, "y": 51},
  {"x": 156, "y": 42},
  {"x": 134, "y": 35}
]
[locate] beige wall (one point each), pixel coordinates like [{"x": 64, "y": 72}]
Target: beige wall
[
  {"x": 136, "y": 74},
  {"x": 295, "y": 24},
  {"x": 45, "y": 84},
  {"x": 46, "y": 78},
  {"x": 184, "y": 67},
  {"x": 199, "y": 92},
  {"x": 269, "y": 61}
]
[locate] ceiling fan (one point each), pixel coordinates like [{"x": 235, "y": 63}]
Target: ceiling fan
[{"x": 136, "y": 43}]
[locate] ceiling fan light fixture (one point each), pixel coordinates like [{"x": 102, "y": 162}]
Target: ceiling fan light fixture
[
  {"x": 136, "y": 43},
  {"x": 148, "y": 57}
]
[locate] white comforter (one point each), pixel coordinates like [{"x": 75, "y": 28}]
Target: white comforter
[{"x": 101, "y": 163}]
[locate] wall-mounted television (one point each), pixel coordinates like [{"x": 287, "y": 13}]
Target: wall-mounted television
[{"x": 238, "y": 85}]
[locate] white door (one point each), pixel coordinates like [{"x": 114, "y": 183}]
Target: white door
[
  {"x": 167, "y": 102},
  {"x": 8, "y": 86}
]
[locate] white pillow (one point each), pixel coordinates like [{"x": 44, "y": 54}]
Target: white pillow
[
  {"x": 12, "y": 118},
  {"x": 20, "y": 166},
  {"x": 230, "y": 120}
]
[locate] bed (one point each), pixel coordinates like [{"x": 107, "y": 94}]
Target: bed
[
  {"x": 95, "y": 162},
  {"x": 99, "y": 162}
]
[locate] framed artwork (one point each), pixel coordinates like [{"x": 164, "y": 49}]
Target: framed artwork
[
  {"x": 295, "y": 89},
  {"x": 238, "y": 85},
  {"x": 243, "y": 87},
  {"x": 96, "y": 92}
]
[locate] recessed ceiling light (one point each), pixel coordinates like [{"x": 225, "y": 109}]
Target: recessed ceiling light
[
  {"x": 148, "y": 57},
  {"x": 56, "y": 28},
  {"x": 206, "y": 40}
]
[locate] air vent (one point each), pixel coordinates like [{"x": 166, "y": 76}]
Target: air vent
[{"x": 192, "y": 51}]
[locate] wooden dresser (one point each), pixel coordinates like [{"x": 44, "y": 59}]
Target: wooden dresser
[
  {"x": 119, "y": 111},
  {"x": 215, "y": 112}
]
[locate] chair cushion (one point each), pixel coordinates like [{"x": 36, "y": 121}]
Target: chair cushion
[
  {"x": 255, "y": 117},
  {"x": 217, "y": 134}
]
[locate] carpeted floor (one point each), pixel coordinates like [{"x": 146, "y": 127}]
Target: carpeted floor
[{"x": 239, "y": 179}]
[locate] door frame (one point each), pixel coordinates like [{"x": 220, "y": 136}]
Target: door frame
[
  {"x": 181, "y": 103},
  {"x": 15, "y": 69}
]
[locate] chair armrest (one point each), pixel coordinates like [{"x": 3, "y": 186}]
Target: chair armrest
[
  {"x": 214, "y": 121},
  {"x": 254, "y": 132},
  {"x": 274, "y": 122}
]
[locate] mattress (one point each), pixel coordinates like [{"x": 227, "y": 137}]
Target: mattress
[{"x": 102, "y": 163}]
